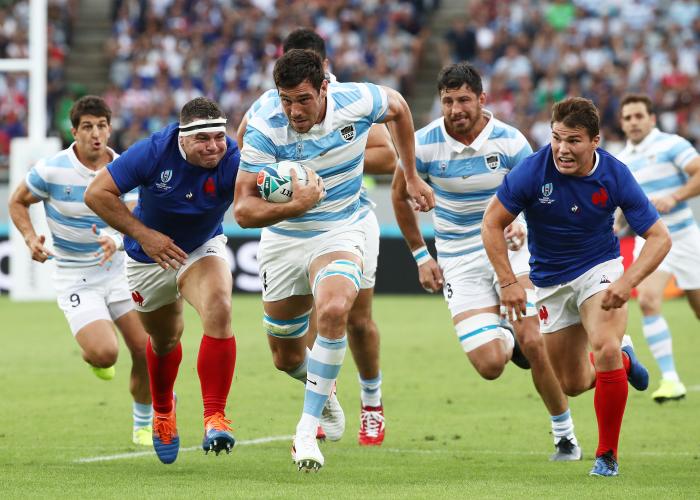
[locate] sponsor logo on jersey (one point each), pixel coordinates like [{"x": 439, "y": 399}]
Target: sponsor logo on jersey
[
  {"x": 574, "y": 209},
  {"x": 492, "y": 162},
  {"x": 547, "y": 190},
  {"x": 604, "y": 279},
  {"x": 348, "y": 132},
  {"x": 600, "y": 197}
]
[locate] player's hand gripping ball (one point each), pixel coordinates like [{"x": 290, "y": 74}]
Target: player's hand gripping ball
[{"x": 275, "y": 181}]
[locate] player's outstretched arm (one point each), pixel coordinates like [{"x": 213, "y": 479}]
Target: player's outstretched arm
[
  {"x": 250, "y": 210},
  {"x": 656, "y": 246},
  {"x": 19, "y": 204},
  {"x": 496, "y": 220},
  {"x": 429, "y": 274},
  {"x": 400, "y": 123},
  {"x": 380, "y": 153},
  {"x": 102, "y": 196}
]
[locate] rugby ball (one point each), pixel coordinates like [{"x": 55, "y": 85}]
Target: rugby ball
[{"x": 275, "y": 181}]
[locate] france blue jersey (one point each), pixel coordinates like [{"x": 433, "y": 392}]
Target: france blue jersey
[
  {"x": 181, "y": 200},
  {"x": 570, "y": 218}
]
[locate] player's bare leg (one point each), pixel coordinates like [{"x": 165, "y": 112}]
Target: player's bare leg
[
  {"x": 207, "y": 286},
  {"x": 363, "y": 340},
  {"x": 658, "y": 335},
  {"x": 135, "y": 338}
]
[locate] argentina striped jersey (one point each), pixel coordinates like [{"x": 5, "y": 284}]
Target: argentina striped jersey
[
  {"x": 334, "y": 149},
  {"x": 657, "y": 164},
  {"x": 60, "y": 181},
  {"x": 464, "y": 178}
]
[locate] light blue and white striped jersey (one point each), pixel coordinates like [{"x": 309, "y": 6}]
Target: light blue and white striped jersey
[
  {"x": 334, "y": 149},
  {"x": 464, "y": 178},
  {"x": 657, "y": 164},
  {"x": 60, "y": 181}
]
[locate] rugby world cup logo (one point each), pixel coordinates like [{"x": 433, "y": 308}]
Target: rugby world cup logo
[
  {"x": 166, "y": 175},
  {"x": 547, "y": 189}
]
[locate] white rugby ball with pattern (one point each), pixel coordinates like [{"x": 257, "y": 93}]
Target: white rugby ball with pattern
[{"x": 275, "y": 181}]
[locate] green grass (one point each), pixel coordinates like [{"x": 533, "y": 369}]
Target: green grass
[{"x": 449, "y": 433}]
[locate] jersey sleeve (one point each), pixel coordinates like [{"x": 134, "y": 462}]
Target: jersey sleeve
[
  {"x": 380, "y": 102},
  {"x": 514, "y": 192},
  {"x": 521, "y": 150},
  {"x": 682, "y": 153},
  {"x": 638, "y": 210},
  {"x": 258, "y": 150},
  {"x": 37, "y": 182},
  {"x": 134, "y": 166},
  {"x": 131, "y": 197}
]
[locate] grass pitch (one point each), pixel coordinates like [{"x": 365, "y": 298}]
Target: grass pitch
[{"x": 66, "y": 434}]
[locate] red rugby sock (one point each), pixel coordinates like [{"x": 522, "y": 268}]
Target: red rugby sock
[
  {"x": 609, "y": 401},
  {"x": 162, "y": 372},
  {"x": 215, "y": 365}
]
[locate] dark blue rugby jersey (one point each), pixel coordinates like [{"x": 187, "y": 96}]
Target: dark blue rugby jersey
[
  {"x": 181, "y": 200},
  {"x": 570, "y": 218}
]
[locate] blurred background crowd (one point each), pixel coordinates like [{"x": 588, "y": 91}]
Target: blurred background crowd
[{"x": 531, "y": 53}]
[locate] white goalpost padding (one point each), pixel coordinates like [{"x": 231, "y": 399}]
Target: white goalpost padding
[{"x": 30, "y": 280}]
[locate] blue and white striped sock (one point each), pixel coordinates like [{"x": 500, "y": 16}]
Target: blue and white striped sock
[
  {"x": 563, "y": 427},
  {"x": 299, "y": 372},
  {"x": 143, "y": 415},
  {"x": 371, "y": 391},
  {"x": 325, "y": 361},
  {"x": 658, "y": 337}
]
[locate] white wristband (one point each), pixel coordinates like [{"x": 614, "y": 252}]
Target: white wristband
[{"x": 421, "y": 255}]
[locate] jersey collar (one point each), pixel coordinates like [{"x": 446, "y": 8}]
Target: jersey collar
[
  {"x": 650, "y": 138},
  {"x": 78, "y": 165},
  {"x": 477, "y": 143}
]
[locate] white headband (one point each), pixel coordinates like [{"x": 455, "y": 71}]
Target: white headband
[{"x": 208, "y": 125}]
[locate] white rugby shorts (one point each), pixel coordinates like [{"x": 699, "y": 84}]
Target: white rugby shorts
[
  {"x": 471, "y": 283},
  {"x": 559, "y": 305},
  {"x": 682, "y": 260},
  {"x": 87, "y": 294},
  {"x": 284, "y": 260},
  {"x": 153, "y": 287},
  {"x": 370, "y": 226}
]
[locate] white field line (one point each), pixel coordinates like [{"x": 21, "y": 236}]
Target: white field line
[
  {"x": 135, "y": 454},
  {"x": 693, "y": 388},
  {"x": 272, "y": 439}
]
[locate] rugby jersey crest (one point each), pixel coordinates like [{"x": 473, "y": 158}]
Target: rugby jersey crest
[
  {"x": 657, "y": 164},
  {"x": 464, "y": 178},
  {"x": 334, "y": 149},
  {"x": 60, "y": 181}
]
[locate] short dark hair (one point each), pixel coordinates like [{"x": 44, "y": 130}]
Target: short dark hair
[
  {"x": 453, "y": 76},
  {"x": 643, "y": 98},
  {"x": 200, "y": 108},
  {"x": 575, "y": 112},
  {"x": 89, "y": 105},
  {"x": 305, "y": 38},
  {"x": 297, "y": 66}
]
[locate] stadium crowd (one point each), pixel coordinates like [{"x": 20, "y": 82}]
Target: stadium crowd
[
  {"x": 14, "y": 44},
  {"x": 168, "y": 51},
  {"x": 533, "y": 53}
]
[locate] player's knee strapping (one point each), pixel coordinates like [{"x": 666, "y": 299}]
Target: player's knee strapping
[
  {"x": 480, "y": 329},
  {"x": 287, "y": 328},
  {"x": 344, "y": 268}
]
